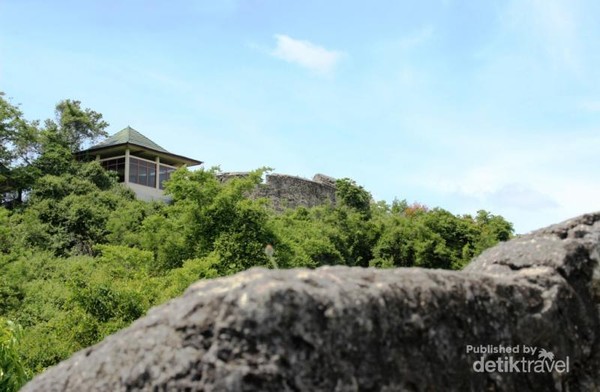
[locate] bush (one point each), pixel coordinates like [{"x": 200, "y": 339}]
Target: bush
[{"x": 13, "y": 373}]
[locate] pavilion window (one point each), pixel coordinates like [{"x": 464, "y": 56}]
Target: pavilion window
[
  {"x": 142, "y": 172},
  {"x": 115, "y": 164},
  {"x": 165, "y": 174}
]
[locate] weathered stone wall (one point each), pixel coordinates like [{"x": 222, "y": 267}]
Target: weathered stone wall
[
  {"x": 290, "y": 191},
  {"x": 363, "y": 329}
]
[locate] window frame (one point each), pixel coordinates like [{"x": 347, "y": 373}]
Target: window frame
[
  {"x": 134, "y": 171},
  {"x": 117, "y": 158}
]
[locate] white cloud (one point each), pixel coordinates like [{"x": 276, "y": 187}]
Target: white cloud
[
  {"x": 306, "y": 54},
  {"x": 521, "y": 196},
  {"x": 533, "y": 180}
]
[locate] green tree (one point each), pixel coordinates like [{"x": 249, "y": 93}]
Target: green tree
[
  {"x": 5, "y": 231},
  {"x": 493, "y": 229},
  {"x": 205, "y": 217},
  {"x": 325, "y": 235},
  {"x": 18, "y": 142},
  {"x": 410, "y": 243},
  {"x": 302, "y": 240},
  {"x": 458, "y": 234},
  {"x": 349, "y": 194},
  {"x": 28, "y": 152},
  {"x": 73, "y": 126},
  {"x": 69, "y": 213},
  {"x": 13, "y": 373}
]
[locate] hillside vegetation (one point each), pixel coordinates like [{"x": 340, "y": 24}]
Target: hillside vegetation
[{"x": 81, "y": 258}]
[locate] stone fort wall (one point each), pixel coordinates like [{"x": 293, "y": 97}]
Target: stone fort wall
[{"x": 290, "y": 191}]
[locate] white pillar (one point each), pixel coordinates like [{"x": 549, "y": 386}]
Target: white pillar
[
  {"x": 127, "y": 166},
  {"x": 157, "y": 179}
]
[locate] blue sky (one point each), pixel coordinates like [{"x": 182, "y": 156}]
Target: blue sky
[{"x": 465, "y": 105}]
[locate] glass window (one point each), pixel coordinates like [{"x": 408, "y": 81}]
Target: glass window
[
  {"x": 165, "y": 174},
  {"x": 133, "y": 170},
  {"x": 142, "y": 172},
  {"x": 152, "y": 175},
  {"x": 117, "y": 165}
]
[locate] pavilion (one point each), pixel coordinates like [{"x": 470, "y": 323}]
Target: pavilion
[{"x": 141, "y": 164}]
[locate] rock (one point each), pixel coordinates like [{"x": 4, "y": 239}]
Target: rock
[
  {"x": 351, "y": 329},
  {"x": 324, "y": 179}
]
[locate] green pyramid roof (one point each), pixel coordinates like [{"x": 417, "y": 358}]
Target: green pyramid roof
[{"x": 131, "y": 136}]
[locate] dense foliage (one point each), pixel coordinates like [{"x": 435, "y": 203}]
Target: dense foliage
[{"x": 80, "y": 257}]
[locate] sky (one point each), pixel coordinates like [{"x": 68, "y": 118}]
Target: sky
[{"x": 463, "y": 105}]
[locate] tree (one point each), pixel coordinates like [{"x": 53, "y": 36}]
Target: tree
[
  {"x": 73, "y": 126},
  {"x": 493, "y": 229},
  {"x": 458, "y": 234},
  {"x": 5, "y": 231},
  {"x": 13, "y": 373},
  {"x": 349, "y": 194},
  {"x": 208, "y": 217},
  {"x": 408, "y": 242},
  {"x": 28, "y": 152},
  {"x": 69, "y": 213},
  {"x": 18, "y": 141}
]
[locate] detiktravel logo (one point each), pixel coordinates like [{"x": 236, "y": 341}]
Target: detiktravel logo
[{"x": 516, "y": 359}]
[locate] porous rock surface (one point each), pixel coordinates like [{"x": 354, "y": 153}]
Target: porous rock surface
[{"x": 353, "y": 329}]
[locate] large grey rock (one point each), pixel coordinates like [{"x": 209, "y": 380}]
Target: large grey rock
[{"x": 350, "y": 329}]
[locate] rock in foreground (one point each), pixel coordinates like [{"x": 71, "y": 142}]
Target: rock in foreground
[{"x": 350, "y": 329}]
